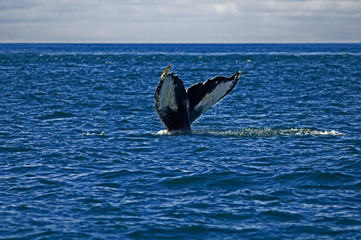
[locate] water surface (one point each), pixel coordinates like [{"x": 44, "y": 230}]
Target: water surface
[{"x": 82, "y": 154}]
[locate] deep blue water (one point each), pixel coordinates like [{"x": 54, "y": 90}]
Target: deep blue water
[{"x": 82, "y": 155}]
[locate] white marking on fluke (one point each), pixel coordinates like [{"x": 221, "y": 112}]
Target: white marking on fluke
[{"x": 167, "y": 93}]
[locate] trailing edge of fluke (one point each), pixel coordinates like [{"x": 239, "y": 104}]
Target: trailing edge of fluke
[{"x": 177, "y": 107}]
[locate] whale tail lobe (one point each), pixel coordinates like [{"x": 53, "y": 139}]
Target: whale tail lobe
[{"x": 178, "y": 108}]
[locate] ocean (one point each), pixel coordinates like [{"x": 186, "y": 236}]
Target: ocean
[{"x": 83, "y": 154}]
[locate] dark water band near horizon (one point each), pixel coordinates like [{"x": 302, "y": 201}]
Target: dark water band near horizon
[{"x": 83, "y": 154}]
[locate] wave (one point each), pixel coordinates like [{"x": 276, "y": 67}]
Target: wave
[
  {"x": 94, "y": 134},
  {"x": 57, "y": 115}
]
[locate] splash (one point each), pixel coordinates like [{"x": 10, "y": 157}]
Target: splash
[
  {"x": 163, "y": 132},
  {"x": 166, "y": 132},
  {"x": 308, "y": 131},
  {"x": 260, "y": 132},
  {"x": 94, "y": 134},
  {"x": 272, "y": 132}
]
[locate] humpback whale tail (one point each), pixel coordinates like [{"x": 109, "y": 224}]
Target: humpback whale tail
[{"x": 178, "y": 108}]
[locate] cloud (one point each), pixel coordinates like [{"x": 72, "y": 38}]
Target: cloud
[
  {"x": 180, "y": 21},
  {"x": 227, "y": 8}
]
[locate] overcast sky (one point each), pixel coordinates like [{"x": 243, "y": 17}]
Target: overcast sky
[{"x": 180, "y": 21}]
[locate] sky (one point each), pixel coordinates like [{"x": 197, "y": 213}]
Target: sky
[{"x": 180, "y": 21}]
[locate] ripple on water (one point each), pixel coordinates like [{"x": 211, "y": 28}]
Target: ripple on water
[{"x": 81, "y": 155}]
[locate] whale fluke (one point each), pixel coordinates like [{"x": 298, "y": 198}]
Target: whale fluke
[{"x": 179, "y": 108}]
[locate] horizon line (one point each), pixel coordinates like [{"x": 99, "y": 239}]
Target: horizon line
[{"x": 178, "y": 43}]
